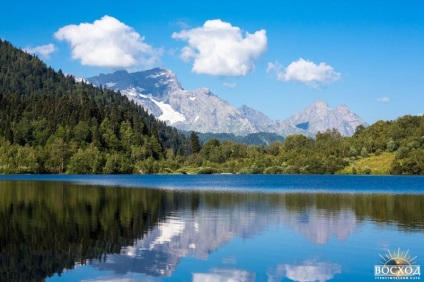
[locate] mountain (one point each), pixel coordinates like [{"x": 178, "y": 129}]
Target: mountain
[
  {"x": 319, "y": 116},
  {"x": 159, "y": 91},
  {"x": 259, "y": 120}
]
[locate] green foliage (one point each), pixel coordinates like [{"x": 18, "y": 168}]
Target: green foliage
[
  {"x": 195, "y": 143},
  {"x": 274, "y": 170},
  {"x": 116, "y": 163},
  {"x": 207, "y": 170},
  {"x": 87, "y": 161},
  {"x": 274, "y": 148},
  {"x": 378, "y": 163}
]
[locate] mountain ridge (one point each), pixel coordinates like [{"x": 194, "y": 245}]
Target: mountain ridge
[
  {"x": 320, "y": 117},
  {"x": 159, "y": 91}
]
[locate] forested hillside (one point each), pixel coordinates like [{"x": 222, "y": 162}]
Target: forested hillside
[{"x": 51, "y": 124}]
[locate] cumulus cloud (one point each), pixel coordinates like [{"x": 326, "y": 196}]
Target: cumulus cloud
[
  {"x": 43, "y": 50},
  {"x": 230, "y": 84},
  {"x": 108, "y": 43},
  {"x": 383, "y": 100},
  {"x": 305, "y": 72},
  {"x": 218, "y": 48}
]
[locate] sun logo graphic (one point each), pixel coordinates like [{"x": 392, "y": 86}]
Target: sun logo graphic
[{"x": 397, "y": 266}]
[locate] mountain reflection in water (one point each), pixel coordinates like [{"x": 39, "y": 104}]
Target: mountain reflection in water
[{"x": 49, "y": 227}]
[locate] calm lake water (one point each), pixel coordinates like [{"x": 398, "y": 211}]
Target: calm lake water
[{"x": 207, "y": 227}]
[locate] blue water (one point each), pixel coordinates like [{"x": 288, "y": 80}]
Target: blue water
[
  {"x": 219, "y": 227},
  {"x": 247, "y": 183}
]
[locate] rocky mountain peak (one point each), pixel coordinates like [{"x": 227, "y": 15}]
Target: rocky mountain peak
[
  {"x": 321, "y": 104},
  {"x": 159, "y": 76},
  {"x": 343, "y": 109},
  {"x": 156, "y": 82},
  {"x": 160, "y": 93},
  {"x": 258, "y": 119},
  {"x": 318, "y": 107},
  {"x": 319, "y": 116}
]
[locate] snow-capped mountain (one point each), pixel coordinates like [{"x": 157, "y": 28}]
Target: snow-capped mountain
[{"x": 159, "y": 91}]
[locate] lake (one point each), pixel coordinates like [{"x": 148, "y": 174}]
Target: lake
[{"x": 210, "y": 227}]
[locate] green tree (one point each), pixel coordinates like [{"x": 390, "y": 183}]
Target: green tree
[
  {"x": 86, "y": 161},
  {"x": 127, "y": 135},
  {"x": 109, "y": 138},
  {"x": 117, "y": 163},
  {"x": 274, "y": 148},
  {"x": 82, "y": 133},
  {"x": 58, "y": 155},
  {"x": 195, "y": 143},
  {"x": 22, "y": 132}
]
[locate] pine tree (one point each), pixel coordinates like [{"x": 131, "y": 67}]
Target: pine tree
[{"x": 195, "y": 143}]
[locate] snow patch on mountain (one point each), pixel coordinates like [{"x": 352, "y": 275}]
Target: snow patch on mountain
[
  {"x": 110, "y": 84},
  {"x": 168, "y": 113},
  {"x": 131, "y": 92},
  {"x": 79, "y": 79}
]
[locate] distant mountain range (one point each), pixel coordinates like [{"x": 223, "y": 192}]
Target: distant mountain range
[{"x": 159, "y": 91}]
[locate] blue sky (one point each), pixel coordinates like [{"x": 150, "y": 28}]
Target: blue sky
[{"x": 275, "y": 56}]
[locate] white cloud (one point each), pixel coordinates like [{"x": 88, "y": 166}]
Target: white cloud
[
  {"x": 305, "y": 72},
  {"x": 230, "y": 84},
  {"x": 108, "y": 43},
  {"x": 383, "y": 100},
  {"x": 218, "y": 48},
  {"x": 44, "y": 50}
]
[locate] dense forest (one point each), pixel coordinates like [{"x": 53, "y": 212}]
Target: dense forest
[{"x": 49, "y": 123}]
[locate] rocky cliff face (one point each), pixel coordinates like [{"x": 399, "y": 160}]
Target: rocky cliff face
[
  {"x": 260, "y": 121},
  {"x": 159, "y": 91}
]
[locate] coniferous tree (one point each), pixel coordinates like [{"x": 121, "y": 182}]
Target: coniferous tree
[{"x": 194, "y": 143}]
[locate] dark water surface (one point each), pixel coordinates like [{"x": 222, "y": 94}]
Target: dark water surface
[{"x": 207, "y": 228}]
